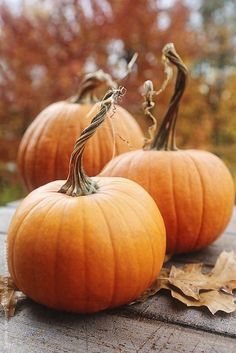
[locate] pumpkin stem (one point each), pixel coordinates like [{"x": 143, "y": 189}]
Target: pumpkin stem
[
  {"x": 94, "y": 80},
  {"x": 78, "y": 183},
  {"x": 89, "y": 84},
  {"x": 148, "y": 105},
  {"x": 129, "y": 66},
  {"x": 165, "y": 138}
]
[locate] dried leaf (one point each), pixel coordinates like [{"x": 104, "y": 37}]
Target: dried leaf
[
  {"x": 225, "y": 271},
  {"x": 9, "y": 295},
  {"x": 213, "y": 300},
  {"x": 194, "y": 288},
  {"x": 190, "y": 279}
]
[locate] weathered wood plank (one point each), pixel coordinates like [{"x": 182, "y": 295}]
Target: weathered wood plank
[
  {"x": 163, "y": 307},
  {"x": 5, "y": 218},
  {"x": 37, "y": 330},
  {"x": 173, "y": 329}
]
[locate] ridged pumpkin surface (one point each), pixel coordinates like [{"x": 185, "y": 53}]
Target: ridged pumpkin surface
[
  {"x": 47, "y": 144},
  {"x": 193, "y": 189},
  {"x": 87, "y": 253}
]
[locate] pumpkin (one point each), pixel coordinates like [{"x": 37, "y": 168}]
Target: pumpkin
[
  {"x": 192, "y": 188},
  {"x": 86, "y": 244},
  {"x": 45, "y": 149}
]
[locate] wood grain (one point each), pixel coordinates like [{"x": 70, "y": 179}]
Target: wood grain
[
  {"x": 163, "y": 307},
  {"x": 161, "y": 324},
  {"x": 38, "y": 330}
]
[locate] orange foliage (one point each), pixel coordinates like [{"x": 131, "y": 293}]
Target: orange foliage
[{"x": 44, "y": 50}]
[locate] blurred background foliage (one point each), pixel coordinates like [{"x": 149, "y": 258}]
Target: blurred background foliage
[{"x": 45, "y": 47}]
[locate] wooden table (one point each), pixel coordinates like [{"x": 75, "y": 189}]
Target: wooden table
[{"x": 161, "y": 324}]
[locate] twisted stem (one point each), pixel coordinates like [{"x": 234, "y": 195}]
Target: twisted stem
[
  {"x": 92, "y": 81},
  {"x": 165, "y": 138},
  {"x": 78, "y": 183},
  {"x": 148, "y": 105},
  {"x": 88, "y": 85}
]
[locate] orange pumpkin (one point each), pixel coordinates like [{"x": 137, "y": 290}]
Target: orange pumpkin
[
  {"x": 46, "y": 146},
  {"x": 193, "y": 189},
  {"x": 94, "y": 244}
]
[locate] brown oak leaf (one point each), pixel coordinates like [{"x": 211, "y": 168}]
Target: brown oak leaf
[
  {"x": 213, "y": 300},
  {"x": 194, "y": 288},
  {"x": 190, "y": 279},
  {"x": 9, "y": 296}
]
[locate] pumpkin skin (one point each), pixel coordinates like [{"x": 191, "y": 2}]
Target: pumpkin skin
[
  {"x": 85, "y": 254},
  {"x": 46, "y": 146},
  {"x": 193, "y": 189},
  {"x": 86, "y": 244}
]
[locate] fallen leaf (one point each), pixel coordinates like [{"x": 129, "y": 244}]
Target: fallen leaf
[
  {"x": 213, "y": 300},
  {"x": 190, "y": 279},
  {"x": 225, "y": 271},
  {"x": 194, "y": 288},
  {"x": 9, "y": 296}
]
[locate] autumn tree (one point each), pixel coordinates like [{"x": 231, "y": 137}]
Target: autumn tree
[
  {"x": 45, "y": 49},
  {"x": 218, "y": 62}
]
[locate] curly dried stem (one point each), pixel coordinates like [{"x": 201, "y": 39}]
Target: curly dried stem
[
  {"x": 168, "y": 70},
  {"x": 148, "y": 105},
  {"x": 165, "y": 138},
  {"x": 129, "y": 66},
  {"x": 92, "y": 81},
  {"x": 88, "y": 85},
  {"x": 78, "y": 183}
]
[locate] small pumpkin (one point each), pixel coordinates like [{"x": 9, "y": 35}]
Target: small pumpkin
[
  {"x": 45, "y": 149},
  {"x": 192, "y": 188},
  {"x": 86, "y": 244}
]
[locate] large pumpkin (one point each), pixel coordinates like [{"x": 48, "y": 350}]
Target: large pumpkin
[
  {"x": 46, "y": 146},
  {"x": 193, "y": 189},
  {"x": 95, "y": 243}
]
